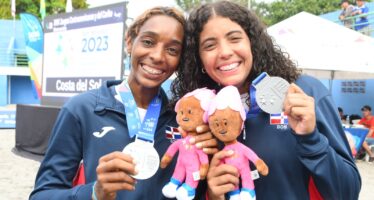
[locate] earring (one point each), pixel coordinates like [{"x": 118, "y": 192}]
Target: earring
[{"x": 203, "y": 70}]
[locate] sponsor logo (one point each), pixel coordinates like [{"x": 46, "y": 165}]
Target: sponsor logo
[{"x": 103, "y": 132}]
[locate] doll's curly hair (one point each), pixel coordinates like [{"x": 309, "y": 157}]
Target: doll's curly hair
[{"x": 267, "y": 57}]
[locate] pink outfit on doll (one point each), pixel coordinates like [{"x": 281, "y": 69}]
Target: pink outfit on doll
[
  {"x": 239, "y": 159},
  {"x": 229, "y": 97},
  {"x": 188, "y": 163},
  {"x": 186, "y": 174}
]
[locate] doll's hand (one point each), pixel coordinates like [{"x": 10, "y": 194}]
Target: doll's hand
[
  {"x": 222, "y": 178},
  {"x": 113, "y": 174},
  {"x": 183, "y": 132},
  {"x": 204, "y": 140},
  {"x": 203, "y": 171},
  {"x": 262, "y": 168},
  {"x": 165, "y": 161},
  {"x": 299, "y": 108}
]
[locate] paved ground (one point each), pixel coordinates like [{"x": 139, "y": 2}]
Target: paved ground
[{"x": 17, "y": 173}]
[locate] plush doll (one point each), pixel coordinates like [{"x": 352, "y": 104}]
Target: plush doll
[
  {"x": 192, "y": 164},
  {"x": 226, "y": 117}
]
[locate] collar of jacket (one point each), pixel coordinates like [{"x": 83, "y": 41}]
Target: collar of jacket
[{"x": 106, "y": 101}]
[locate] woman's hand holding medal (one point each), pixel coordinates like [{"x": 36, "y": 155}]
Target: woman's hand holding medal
[
  {"x": 113, "y": 174},
  {"x": 300, "y": 110},
  {"x": 298, "y": 106}
]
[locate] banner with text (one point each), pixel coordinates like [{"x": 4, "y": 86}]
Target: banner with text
[
  {"x": 82, "y": 49},
  {"x": 7, "y": 118}
]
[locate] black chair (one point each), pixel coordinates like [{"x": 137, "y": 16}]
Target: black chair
[{"x": 353, "y": 117}]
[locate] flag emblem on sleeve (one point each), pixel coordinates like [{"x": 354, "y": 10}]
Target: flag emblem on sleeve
[
  {"x": 172, "y": 133},
  {"x": 280, "y": 118}
]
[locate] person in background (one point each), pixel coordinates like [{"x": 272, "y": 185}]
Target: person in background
[
  {"x": 228, "y": 45},
  {"x": 342, "y": 116},
  {"x": 95, "y": 126},
  {"x": 368, "y": 121},
  {"x": 347, "y": 10},
  {"x": 362, "y": 23}
]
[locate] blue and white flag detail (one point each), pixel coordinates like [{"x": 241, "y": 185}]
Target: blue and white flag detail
[{"x": 280, "y": 118}]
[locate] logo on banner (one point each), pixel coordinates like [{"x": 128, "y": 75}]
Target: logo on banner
[
  {"x": 172, "y": 133},
  {"x": 278, "y": 119}
]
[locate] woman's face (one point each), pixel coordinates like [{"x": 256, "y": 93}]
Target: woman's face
[
  {"x": 225, "y": 52},
  {"x": 156, "y": 50}
]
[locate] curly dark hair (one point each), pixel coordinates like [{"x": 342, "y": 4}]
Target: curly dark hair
[{"x": 267, "y": 57}]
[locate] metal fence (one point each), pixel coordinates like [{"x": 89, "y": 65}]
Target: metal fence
[
  {"x": 353, "y": 23},
  {"x": 10, "y": 57}
]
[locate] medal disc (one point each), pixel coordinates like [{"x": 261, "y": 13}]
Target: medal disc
[
  {"x": 146, "y": 157},
  {"x": 270, "y": 96}
]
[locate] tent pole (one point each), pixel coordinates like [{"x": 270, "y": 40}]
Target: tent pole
[{"x": 331, "y": 80}]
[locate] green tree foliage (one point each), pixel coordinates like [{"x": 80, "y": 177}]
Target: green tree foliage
[
  {"x": 33, "y": 7},
  {"x": 277, "y": 11},
  {"x": 5, "y": 9},
  {"x": 245, "y": 3},
  {"x": 187, "y": 5}
]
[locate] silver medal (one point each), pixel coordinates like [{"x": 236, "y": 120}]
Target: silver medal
[
  {"x": 146, "y": 157},
  {"x": 270, "y": 94}
]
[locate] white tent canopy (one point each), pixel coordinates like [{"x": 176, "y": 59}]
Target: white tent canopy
[{"x": 325, "y": 49}]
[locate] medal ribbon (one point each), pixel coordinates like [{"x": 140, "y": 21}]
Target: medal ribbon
[
  {"x": 143, "y": 130},
  {"x": 254, "y": 109}
]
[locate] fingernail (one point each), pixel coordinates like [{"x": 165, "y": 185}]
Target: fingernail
[
  {"x": 199, "y": 145},
  {"x": 230, "y": 152},
  {"x": 205, "y": 150},
  {"x": 199, "y": 129},
  {"x": 192, "y": 140}
]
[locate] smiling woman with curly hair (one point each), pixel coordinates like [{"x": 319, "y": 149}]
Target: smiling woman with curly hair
[
  {"x": 226, "y": 44},
  {"x": 267, "y": 57}
]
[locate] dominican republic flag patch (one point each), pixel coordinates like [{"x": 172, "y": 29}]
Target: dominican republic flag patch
[
  {"x": 172, "y": 133},
  {"x": 280, "y": 118}
]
